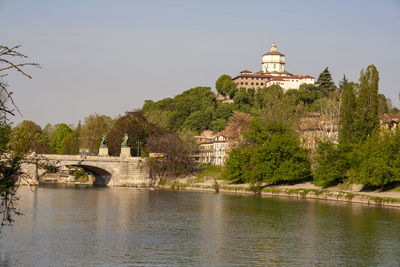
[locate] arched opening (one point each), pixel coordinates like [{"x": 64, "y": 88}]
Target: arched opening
[{"x": 102, "y": 177}]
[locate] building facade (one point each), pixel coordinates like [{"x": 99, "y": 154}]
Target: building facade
[
  {"x": 272, "y": 73},
  {"x": 213, "y": 148}
]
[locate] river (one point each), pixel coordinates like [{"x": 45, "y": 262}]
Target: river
[{"x": 124, "y": 226}]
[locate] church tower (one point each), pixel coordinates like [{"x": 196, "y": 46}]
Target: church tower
[{"x": 273, "y": 62}]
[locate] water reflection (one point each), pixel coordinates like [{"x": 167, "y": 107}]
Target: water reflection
[{"x": 106, "y": 226}]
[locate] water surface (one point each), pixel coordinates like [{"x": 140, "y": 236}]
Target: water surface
[{"x": 124, "y": 226}]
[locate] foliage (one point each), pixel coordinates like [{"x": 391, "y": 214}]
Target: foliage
[
  {"x": 5, "y": 132},
  {"x": 28, "y": 137},
  {"x": 71, "y": 143},
  {"x": 10, "y": 60},
  {"x": 136, "y": 126},
  {"x": 244, "y": 100},
  {"x": 176, "y": 160},
  {"x": 347, "y": 112},
  {"x": 271, "y": 153},
  {"x": 94, "y": 127},
  {"x": 10, "y": 167},
  {"x": 193, "y": 110},
  {"x": 225, "y": 86},
  {"x": 376, "y": 162},
  {"x": 275, "y": 106},
  {"x": 331, "y": 163},
  {"x": 57, "y": 138},
  {"x": 367, "y": 109},
  {"x": 325, "y": 83}
]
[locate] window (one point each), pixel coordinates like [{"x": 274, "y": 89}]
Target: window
[
  {"x": 245, "y": 83},
  {"x": 261, "y": 84},
  {"x": 252, "y": 83},
  {"x": 241, "y": 83},
  {"x": 256, "y": 83}
]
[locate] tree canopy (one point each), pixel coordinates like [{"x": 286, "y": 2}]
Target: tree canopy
[{"x": 225, "y": 86}]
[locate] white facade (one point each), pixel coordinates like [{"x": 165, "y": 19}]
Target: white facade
[
  {"x": 290, "y": 82},
  {"x": 273, "y": 61}
]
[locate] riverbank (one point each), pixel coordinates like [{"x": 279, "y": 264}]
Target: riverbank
[{"x": 303, "y": 191}]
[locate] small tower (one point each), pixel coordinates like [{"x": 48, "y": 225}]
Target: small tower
[{"x": 273, "y": 62}]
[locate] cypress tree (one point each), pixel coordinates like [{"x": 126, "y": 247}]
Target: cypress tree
[
  {"x": 367, "y": 119},
  {"x": 325, "y": 83}
]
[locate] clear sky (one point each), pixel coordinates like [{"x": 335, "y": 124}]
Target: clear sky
[{"x": 109, "y": 56}]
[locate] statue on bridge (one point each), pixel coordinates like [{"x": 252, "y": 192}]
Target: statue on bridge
[
  {"x": 125, "y": 140},
  {"x": 103, "y": 141}
]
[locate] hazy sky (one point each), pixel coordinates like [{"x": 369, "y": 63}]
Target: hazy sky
[{"x": 109, "y": 56}]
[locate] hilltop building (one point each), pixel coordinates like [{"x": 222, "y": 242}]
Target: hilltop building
[{"x": 272, "y": 72}]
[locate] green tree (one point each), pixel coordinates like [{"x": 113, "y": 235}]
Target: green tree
[
  {"x": 225, "y": 86},
  {"x": 332, "y": 163},
  {"x": 325, "y": 83},
  {"x": 271, "y": 153},
  {"x": 309, "y": 93},
  {"x": 94, "y": 127},
  {"x": 29, "y": 137},
  {"x": 347, "y": 112},
  {"x": 244, "y": 100},
  {"x": 367, "y": 110},
  {"x": 177, "y": 113},
  {"x": 71, "y": 143},
  {"x": 376, "y": 162},
  {"x": 57, "y": 138},
  {"x": 382, "y": 105}
]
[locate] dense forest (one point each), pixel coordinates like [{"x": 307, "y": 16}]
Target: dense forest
[{"x": 269, "y": 151}]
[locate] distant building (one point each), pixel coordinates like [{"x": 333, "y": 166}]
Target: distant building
[
  {"x": 389, "y": 122},
  {"x": 314, "y": 127},
  {"x": 213, "y": 148},
  {"x": 272, "y": 72}
]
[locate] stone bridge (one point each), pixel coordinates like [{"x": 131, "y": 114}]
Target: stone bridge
[{"x": 107, "y": 170}]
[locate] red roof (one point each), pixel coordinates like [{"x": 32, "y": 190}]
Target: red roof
[
  {"x": 389, "y": 118},
  {"x": 245, "y": 71}
]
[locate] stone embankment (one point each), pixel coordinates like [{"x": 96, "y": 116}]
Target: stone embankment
[{"x": 303, "y": 191}]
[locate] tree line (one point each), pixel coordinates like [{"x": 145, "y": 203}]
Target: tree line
[{"x": 271, "y": 152}]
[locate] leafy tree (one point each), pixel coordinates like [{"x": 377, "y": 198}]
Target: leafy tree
[
  {"x": 28, "y": 137},
  {"x": 244, "y": 100},
  {"x": 225, "y": 86},
  {"x": 57, "y": 138},
  {"x": 71, "y": 143},
  {"x": 325, "y": 83},
  {"x": 135, "y": 127},
  {"x": 309, "y": 93},
  {"x": 176, "y": 113},
  {"x": 367, "y": 110},
  {"x": 377, "y": 160},
  {"x": 331, "y": 163},
  {"x": 218, "y": 124},
  {"x": 382, "y": 105},
  {"x": 273, "y": 105},
  {"x": 347, "y": 112},
  {"x": 94, "y": 127},
  {"x": 271, "y": 153}
]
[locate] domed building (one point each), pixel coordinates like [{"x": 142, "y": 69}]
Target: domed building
[{"x": 272, "y": 72}]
